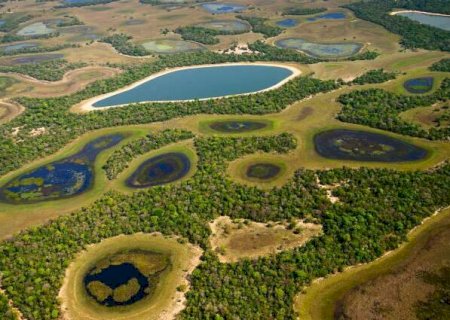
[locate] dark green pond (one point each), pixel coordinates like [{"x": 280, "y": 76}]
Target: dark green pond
[
  {"x": 346, "y": 144},
  {"x": 263, "y": 171},
  {"x": 235, "y": 126},
  {"x": 419, "y": 85},
  {"x": 161, "y": 169},
  {"x": 61, "y": 179}
]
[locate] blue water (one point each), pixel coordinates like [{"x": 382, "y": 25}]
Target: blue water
[
  {"x": 419, "y": 85},
  {"x": 2, "y": 22},
  {"x": 223, "y": 7},
  {"x": 287, "y": 23},
  {"x": 116, "y": 275},
  {"x": 67, "y": 177},
  {"x": 19, "y": 46},
  {"x": 200, "y": 83},
  {"x": 441, "y": 22},
  {"x": 328, "y": 16}
]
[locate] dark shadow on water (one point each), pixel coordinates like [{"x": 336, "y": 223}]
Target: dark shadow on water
[
  {"x": 60, "y": 179},
  {"x": 161, "y": 169},
  {"x": 346, "y": 144}
]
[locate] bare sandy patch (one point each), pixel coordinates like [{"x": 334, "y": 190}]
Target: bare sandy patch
[
  {"x": 9, "y": 110},
  {"x": 239, "y": 239}
]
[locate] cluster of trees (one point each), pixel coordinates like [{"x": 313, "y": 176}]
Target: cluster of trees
[
  {"x": 442, "y": 66},
  {"x": 121, "y": 42},
  {"x": 70, "y": 21},
  {"x": 201, "y": 34},
  {"x": 302, "y": 11},
  {"x": 414, "y": 34},
  {"x": 374, "y": 76},
  {"x": 259, "y": 26},
  {"x": 437, "y": 6},
  {"x": 9, "y": 37},
  {"x": 366, "y": 55},
  {"x": 52, "y": 70},
  {"x": 380, "y": 109},
  {"x": 120, "y": 158},
  {"x": 376, "y": 210}
]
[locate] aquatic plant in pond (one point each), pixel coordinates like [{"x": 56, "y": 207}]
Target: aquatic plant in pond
[
  {"x": 419, "y": 85},
  {"x": 61, "y": 179},
  {"x": 223, "y": 7},
  {"x": 328, "y": 16},
  {"x": 321, "y": 50},
  {"x": 125, "y": 278},
  {"x": 287, "y": 23},
  {"x": 236, "y": 126},
  {"x": 35, "y": 29},
  {"x": 263, "y": 171},
  {"x": 37, "y": 58},
  {"x": 231, "y": 26},
  {"x": 346, "y": 144},
  {"x": 171, "y": 46},
  {"x": 437, "y": 21},
  {"x": 201, "y": 83},
  {"x": 161, "y": 169}
]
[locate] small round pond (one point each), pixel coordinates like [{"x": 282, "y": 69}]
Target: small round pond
[
  {"x": 287, "y": 23},
  {"x": 321, "y": 50},
  {"x": 346, "y": 144},
  {"x": 237, "y": 126},
  {"x": 263, "y": 171},
  {"x": 125, "y": 278},
  {"x": 228, "y": 26},
  {"x": 419, "y": 85},
  {"x": 200, "y": 83},
  {"x": 61, "y": 179},
  {"x": 223, "y": 7},
  {"x": 159, "y": 170}
]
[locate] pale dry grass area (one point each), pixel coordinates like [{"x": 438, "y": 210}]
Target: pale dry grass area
[{"x": 235, "y": 240}]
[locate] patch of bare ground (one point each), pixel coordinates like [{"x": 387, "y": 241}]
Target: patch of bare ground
[
  {"x": 239, "y": 239},
  {"x": 9, "y": 110},
  {"x": 394, "y": 294},
  {"x": 329, "y": 190},
  {"x": 12, "y": 307}
]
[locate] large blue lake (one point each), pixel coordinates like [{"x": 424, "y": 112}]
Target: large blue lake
[
  {"x": 201, "y": 83},
  {"x": 441, "y": 22}
]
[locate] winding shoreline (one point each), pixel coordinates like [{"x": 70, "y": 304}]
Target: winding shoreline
[
  {"x": 393, "y": 13},
  {"x": 88, "y": 105}
]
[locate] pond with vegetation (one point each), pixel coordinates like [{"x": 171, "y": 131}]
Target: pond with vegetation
[
  {"x": 228, "y": 26},
  {"x": 223, "y": 7},
  {"x": 437, "y": 21},
  {"x": 328, "y": 16},
  {"x": 201, "y": 83},
  {"x": 163, "y": 46},
  {"x": 35, "y": 29},
  {"x": 346, "y": 144},
  {"x": 419, "y": 85},
  {"x": 287, "y": 23},
  {"x": 237, "y": 126},
  {"x": 263, "y": 171},
  {"x": 321, "y": 50},
  {"x": 61, "y": 179},
  {"x": 125, "y": 278},
  {"x": 159, "y": 170},
  {"x": 19, "y": 46}
]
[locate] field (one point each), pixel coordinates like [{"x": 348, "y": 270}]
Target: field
[
  {"x": 370, "y": 290},
  {"x": 234, "y": 207}
]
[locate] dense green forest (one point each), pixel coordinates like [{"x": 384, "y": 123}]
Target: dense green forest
[
  {"x": 294, "y": 11},
  {"x": 202, "y": 35},
  {"x": 5, "y": 310},
  {"x": 375, "y": 76},
  {"x": 414, "y": 34},
  {"x": 52, "y": 70},
  {"x": 376, "y": 210},
  {"x": 442, "y": 66},
  {"x": 120, "y": 159},
  {"x": 259, "y": 25},
  {"x": 380, "y": 109}
]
